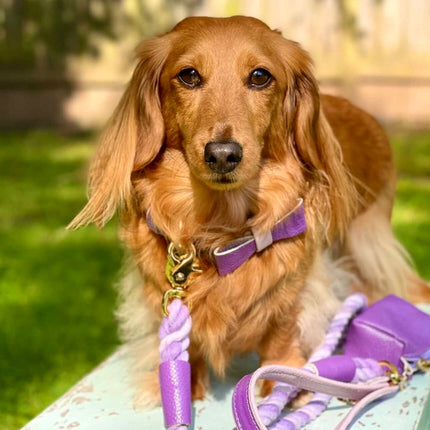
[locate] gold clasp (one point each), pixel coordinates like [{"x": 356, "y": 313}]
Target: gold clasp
[
  {"x": 170, "y": 295},
  {"x": 395, "y": 378},
  {"x": 181, "y": 265}
]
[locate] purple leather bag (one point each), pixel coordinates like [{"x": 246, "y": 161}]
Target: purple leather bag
[{"x": 389, "y": 330}]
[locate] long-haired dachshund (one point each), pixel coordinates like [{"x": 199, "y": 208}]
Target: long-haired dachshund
[{"x": 222, "y": 132}]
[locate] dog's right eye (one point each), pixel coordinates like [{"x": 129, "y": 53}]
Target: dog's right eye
[{"x": 190, "y": 77}]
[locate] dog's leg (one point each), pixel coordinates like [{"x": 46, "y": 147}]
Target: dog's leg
[
  {"x": 199, "y": 375},
  {"x": 280, "y": 346}
]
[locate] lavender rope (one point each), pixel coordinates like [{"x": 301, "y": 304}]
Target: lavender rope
[
  {"x": 174, "y": 334},
  {"x": 174, "y": 342},
  {"x": 271, "y": 407}
]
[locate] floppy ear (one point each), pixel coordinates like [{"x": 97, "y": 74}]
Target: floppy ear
[
  {"x": 131, "y": 140},
  {"x": 316, "y": 147}
]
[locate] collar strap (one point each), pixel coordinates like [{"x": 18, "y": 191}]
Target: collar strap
[{"x": 230, "y": 257}]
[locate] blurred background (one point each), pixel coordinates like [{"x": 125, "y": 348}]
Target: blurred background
[{"x": 63, "y": 67}]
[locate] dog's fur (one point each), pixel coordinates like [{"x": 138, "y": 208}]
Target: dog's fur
[{"x": 296, "y": 143}]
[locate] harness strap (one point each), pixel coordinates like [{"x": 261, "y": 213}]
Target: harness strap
[{"x": 230, "y": 257}]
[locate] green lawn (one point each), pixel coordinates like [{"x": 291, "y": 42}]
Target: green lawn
[{"x": 56, "y": 287}]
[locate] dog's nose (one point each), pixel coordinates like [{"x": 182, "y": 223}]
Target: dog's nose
[{"x": 223, "y": 157}]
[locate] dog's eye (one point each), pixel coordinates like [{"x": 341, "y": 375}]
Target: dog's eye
[
  {"x": 190, "y": 77},
  {"x": 259, "y": 78}
]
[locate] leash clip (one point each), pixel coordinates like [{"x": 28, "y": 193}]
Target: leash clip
[
  {"x": 181, "y": 265},
  {"x": 394, "y": 376}
]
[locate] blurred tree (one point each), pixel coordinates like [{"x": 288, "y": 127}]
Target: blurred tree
[{"x": 43, "y": 33}]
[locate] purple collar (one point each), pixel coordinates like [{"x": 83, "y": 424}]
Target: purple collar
[{"x": 230, "y": 257}]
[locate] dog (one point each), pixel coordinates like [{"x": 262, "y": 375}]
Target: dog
[{"x": 222, "y": 131}]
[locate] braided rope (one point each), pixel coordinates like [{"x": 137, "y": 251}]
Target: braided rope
[
  {"x": 174, "y": 341},
  {"x": 271, "y": 407},
  {"x": 174, "y": 333}
]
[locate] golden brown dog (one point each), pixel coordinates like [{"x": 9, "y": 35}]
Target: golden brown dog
[{"x": 219, "y": 132}]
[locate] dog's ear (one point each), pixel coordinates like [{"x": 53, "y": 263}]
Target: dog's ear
[
  {"x": 131, "y": 140},
  {"x": 316, "y": 147}
]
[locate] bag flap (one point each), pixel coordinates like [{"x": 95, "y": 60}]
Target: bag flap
[{"x": 388, "y": 330}]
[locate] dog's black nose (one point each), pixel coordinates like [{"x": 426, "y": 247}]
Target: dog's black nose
[{"x": 223, "y": 157}]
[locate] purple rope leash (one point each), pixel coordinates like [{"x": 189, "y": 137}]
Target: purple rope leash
[
  {"x": 271, "y": 407},
  {"x": 174, "y": 342},
  {"x": 174, "y": 333}
]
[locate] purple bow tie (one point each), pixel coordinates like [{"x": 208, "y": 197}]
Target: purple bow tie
[{"x": 232, "y": 256}]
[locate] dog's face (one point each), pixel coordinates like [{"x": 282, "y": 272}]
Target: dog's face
[
  {"x": 229, "y": 102},
  {"x": 220, "y": 91}
]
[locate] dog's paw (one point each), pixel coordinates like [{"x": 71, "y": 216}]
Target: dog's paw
[
  {"x": 147, "y": 395},
  {"x": 199, "y": 390},
  {"x": 199, "y": 380},
  {"x": 303, "y": 398},
  {"x": 264, "y": 387}
]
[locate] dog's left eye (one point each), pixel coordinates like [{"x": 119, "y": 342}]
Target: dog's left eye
[
  {"x": 259, "y": 78},
  {"x": 190, "y": 77}
]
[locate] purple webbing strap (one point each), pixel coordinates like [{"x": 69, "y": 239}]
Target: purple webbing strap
[
  {"x": 271, "y": 407},
  {"x": 174, "y": 370},
  {"x": 232, "y": 256}
]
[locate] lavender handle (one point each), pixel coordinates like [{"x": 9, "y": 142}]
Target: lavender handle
[{"x": 175, "y": 383}]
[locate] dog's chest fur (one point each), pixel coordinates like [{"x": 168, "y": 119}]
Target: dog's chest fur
[{"x": 233, "y": 314}]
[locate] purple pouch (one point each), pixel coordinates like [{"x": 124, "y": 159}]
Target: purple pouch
[{"x": 389, "y": 330}]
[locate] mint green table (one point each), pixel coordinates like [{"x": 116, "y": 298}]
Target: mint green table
[{"x": 102, "y": 400}]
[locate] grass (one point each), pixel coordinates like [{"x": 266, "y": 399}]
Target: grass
[
  {"x": 56, "y": 287},
  {"x": 56, "y": 294},
  {"x": 411, "y": 217}
]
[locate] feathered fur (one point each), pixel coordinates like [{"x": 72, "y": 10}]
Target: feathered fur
[{"x": 296, "y": 143}]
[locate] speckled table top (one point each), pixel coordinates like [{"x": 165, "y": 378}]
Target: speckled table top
[{"x": 103, "y": 400}]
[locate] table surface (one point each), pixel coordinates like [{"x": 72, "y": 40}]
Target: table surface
[{"x": 103, "y": 400}]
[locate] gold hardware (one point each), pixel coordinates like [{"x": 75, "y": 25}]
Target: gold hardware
[
  {"x": 423, "y": 365},
  {"x": 181, "y": 265},
  {"x": 170, "y": 295},
  {"x": 395, "y": 378}
]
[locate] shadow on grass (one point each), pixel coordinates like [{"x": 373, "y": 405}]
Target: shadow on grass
[{"x": 56, "y": 287}]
